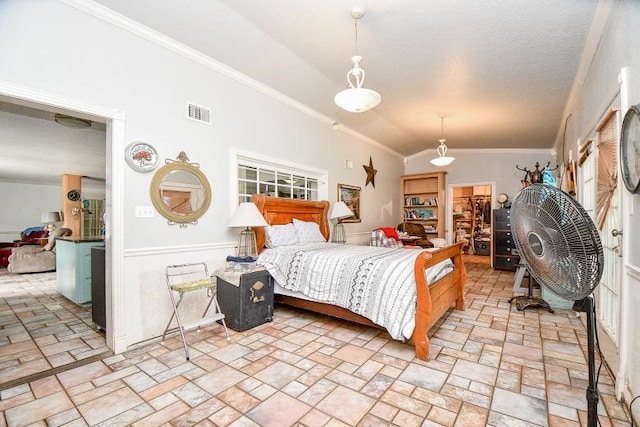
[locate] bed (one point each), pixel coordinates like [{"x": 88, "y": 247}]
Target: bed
[{"x": 431, "y": 302}]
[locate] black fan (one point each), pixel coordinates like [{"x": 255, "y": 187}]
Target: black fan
[{"x": 560, "y": 245}]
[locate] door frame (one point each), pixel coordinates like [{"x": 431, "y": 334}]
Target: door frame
[
  {"x": 114, "y": 187},
  {"x": 449, "y": 231}
]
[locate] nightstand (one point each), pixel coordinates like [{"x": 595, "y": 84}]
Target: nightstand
[{"x": 245, "y": 297}]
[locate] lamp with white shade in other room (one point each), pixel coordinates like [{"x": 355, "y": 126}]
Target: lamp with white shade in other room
[
  {"x": 247, "y": 215},
  {"x": 49, "y": 218},
  {"x": 339, "y": 211}
]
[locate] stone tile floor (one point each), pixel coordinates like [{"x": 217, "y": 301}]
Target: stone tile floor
[
  {"x": 40, "y": 329},
  {"x": 490, "y": 365}
]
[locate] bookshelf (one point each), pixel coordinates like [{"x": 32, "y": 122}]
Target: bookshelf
[{"x": 423, "y": 201}]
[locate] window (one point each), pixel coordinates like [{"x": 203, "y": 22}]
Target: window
[
  {"x": 271, "y": 178},
  {"x": 92, "y": 212}
]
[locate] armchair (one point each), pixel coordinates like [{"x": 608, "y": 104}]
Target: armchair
[
  {"x": 35, "y": 259},
  {"x": 415, "y": 229},
  {"x": 30, "y": 236}
]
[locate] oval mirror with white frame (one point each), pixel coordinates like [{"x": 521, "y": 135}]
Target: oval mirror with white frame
[{"x": 180, "y": 192}]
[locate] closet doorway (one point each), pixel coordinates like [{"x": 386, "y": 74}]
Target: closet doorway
[{"x": 470, "y": 216}]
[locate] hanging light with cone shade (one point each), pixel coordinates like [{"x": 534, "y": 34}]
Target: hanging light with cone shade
[
  {"x": 442, "y": 159},
  {"x": 357, "y": 99}
]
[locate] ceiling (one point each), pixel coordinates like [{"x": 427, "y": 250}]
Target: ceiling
[
  {"x": 501, "y": 71},
  {"x": 37, "y": 150}
]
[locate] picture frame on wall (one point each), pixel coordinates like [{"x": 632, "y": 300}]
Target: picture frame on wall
[{"x": 350, "y": 195}]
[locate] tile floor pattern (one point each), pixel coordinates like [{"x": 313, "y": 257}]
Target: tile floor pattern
[
  {"x": 40, "y": 329},
  {"x": 491, "y": 365}
]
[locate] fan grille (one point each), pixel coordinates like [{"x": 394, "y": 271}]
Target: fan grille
[{"x": 557, "y": 240}]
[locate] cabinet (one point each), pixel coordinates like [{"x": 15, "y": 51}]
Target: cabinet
[
  {"x": 98, "y": 297},
  {"x": 505, "y": 254},
  {"x": 423, "y": 201},
  {"x": 246, "y": 299},
  {"x": 73, "y": 268}
]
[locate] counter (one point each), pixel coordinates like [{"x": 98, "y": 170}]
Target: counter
[{"x": 73, "y": 267}]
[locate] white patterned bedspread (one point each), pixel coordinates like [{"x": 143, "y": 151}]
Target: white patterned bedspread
[{"x": 375, "y": 282}]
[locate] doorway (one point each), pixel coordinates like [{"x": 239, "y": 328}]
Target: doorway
[
  {"x": 469, "y": 216},
  {"x": 116, "y": 339}
]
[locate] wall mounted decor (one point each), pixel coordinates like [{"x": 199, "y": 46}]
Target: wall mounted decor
[
  {"x": 630, "y": 149},
  {"x": 371, "y": 173},
  {"x": 534, "y": 176},
  {"x": 350, "y": 195},
  {"x": 141, "y": 156},
  {"x": 180, "y": 192}
]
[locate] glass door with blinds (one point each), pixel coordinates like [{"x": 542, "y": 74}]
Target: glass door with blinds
[{"x": 608, "y": 219}]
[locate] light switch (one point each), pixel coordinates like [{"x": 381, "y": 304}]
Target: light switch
[{"x": 144, "y": 211}]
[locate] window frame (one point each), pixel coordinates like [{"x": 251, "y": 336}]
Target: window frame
[{"x": 279, "y": 166}]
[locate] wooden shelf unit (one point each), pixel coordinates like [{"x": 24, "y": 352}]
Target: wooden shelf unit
[{"x": 423, "y": 201}]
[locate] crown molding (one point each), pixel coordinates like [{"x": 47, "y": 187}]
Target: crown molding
[{"x": 107, "y": 15}]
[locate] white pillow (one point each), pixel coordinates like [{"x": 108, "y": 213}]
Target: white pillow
[
  {"x": 438, "y": 242},
  {"x": 280, "y": 235},
  {"x": 308, "y": 232}
]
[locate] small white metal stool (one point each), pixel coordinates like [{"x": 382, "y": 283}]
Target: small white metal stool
[{"x": 185, "y": 278}]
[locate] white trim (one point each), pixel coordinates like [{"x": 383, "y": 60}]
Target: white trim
[
  {"x": 114, "y": 237},
  {"x": 449, "y": 231},
  {"x": 629, "y": 272},
  {"x": 163, "y": 250},
  {"x": 136, "y": 28},
  {"x": 236, "y": 155}
]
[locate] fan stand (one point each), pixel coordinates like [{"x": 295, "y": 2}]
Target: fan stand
[
  {"x": 586, "y": 305},
  {"x": 526, "y": 301}
]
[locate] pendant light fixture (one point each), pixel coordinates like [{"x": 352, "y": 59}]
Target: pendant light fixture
[
  {"x": 357, "y": 99},
  {"x": 442, "y": 159}
]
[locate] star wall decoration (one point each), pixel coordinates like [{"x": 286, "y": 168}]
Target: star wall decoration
[{"x": 371, "y": 173}]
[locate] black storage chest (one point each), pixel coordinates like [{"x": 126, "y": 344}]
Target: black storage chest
[{"x": 246, "y": 299}]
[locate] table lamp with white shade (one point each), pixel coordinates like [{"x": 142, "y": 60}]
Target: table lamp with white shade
[
  {"x": 247, "y": 215},
  {"x": 338, "y": 211}
]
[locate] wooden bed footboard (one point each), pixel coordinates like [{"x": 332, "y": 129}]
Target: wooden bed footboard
[{"x": 434, "y": 300}]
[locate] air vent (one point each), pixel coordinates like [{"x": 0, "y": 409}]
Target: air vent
[{"x": 198, "y": 113}]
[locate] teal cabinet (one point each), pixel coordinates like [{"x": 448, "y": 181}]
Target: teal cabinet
[{"x": 73, "y": 268}]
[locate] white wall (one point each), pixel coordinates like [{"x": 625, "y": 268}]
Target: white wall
[
  {"x": 53, "y": 47},
  {"x": 497, "y": 166},
  {"x": 23, "y": 204},
  {"x": 599, "y": 93}
]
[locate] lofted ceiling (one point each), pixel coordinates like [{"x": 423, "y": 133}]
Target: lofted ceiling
[{"x": 501, "y": 71}]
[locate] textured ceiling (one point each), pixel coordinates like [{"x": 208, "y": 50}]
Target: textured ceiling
[{"x": 500, "y": 70}]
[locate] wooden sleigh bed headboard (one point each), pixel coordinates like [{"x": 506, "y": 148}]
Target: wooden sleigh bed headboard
[{"x": 278, "y": 211}]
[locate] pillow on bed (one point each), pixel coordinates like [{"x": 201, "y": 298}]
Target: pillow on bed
[
  {"x": 280, "y": 235},
  {"x": 438, "y": 242},
  {"x": 308, "y": 232}
]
